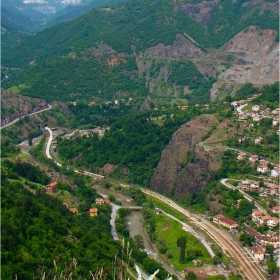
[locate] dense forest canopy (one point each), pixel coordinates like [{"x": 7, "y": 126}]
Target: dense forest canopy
[{"x": 124, "y": 28}]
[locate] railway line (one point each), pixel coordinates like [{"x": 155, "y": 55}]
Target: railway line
[{"x": 246, "y": 265}]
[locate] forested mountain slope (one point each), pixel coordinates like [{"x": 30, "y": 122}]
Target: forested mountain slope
[
  {"x": 108, "y": 54},
  {"x": 124, "y": 27}
]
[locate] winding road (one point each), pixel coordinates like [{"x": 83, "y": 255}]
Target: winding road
[
  {"x": 248, "y": 197},
  {"x": 14, "y": 121},
  {"x": 229, "y": 245}
]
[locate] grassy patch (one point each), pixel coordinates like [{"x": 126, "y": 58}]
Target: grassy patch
[
  {"x": 170, "y": 230},
  {"x": 179, "y": 102},
  {"x": 18, "y": 88}
]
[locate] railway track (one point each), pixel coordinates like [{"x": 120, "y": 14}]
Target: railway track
[{"x": 248, "y": 267}]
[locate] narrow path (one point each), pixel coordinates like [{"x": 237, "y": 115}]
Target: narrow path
[{"x": 14, "y": 121}]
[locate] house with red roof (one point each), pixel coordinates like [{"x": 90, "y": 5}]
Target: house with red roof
[
  {"x": 51, "y": 188},
  {"x": 275, "y": 172},
  {"x": 263, "y": 168},
  {"x": 256, "y": 215},
  {"x": 276, "y": 209},
  {"x": 253, "y": 158},
  {"x": 273, "y": 189},
  {"x": 258, "y": 253},
  {"x": 74, "y": 210},
  {"x": 93, "y": 212},
  {"x": 224, "y": 221}
]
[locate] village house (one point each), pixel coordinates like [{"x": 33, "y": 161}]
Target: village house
[
  {"x": 266, "y": 112},
  {"x": 276, "y": 209},
  {"x": 256, "y": 215},
  {"x": 256, "y": 108},
  {"x": 241, "y": 102},
  {"x": 256, "y": 118},
  {"x": 92, "y": 103},
  {"x": 273, "y": 189},
  {"x": 258, "y": 253},
  {"x": 258, "y": 140},
  {"x": 241, "y": 116},
  {"x": 99, "y": 200},
  {"x": 244, "y": 185},
  {"x": 107, "y": 201},
  {"x": 263, "y": 240},
  {"x": 51, "y": 188},
  {"x": 241, "y": 156},
  {"x": 73, "y": 103},
  {"x": 263, "y": 168},
  {"x": 253, "y": 158},
  {"x": 275, "y": 172},
  {"x": 272, "y": 222},
  {"x": 255, "y": 186},
  {"x": 74, "y": 210},
  {"x": 65, "y": 204},
  {"x": 93, "y": 212},
  {"x": 275, "y": 121},
  {"x": 224, "y": 221},
  {"x": 249, "y": 99},
  {"x": 197, "y": 262},
  {"x": 264, "y": 219},
  {"x": 196, "y": 105},
  {"x": 206, "y": 106},
  {"x": 276, "y": 112}
]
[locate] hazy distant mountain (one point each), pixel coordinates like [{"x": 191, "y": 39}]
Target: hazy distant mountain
[{"x": 34, "y": 15}]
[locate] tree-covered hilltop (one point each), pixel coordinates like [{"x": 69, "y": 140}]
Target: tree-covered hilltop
[
  {"x": 137, "y": 25},
  {"x": 38, "y": 229},
  {"x": 133, "y": 145},
  {"x": 90, "y": 78}
]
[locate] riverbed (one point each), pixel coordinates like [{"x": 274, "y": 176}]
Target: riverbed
[{"x": 135, "y": 225}]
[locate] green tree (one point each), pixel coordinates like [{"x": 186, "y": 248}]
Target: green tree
[
  {"x": 272, "y": 267},
  {"x": 139, "y": 241},
  {"x": 181, "y": 243},
  {"x": 191, "y": 276}
]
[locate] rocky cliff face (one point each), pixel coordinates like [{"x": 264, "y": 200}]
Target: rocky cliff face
[
  {"x": 14, "y": 106},
  {"x": 182, "y": 48},
  {"x": 256, "y": 59},
  {"x": 185, "y": 166}
]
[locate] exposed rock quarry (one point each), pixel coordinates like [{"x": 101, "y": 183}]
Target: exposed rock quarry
[
  {"x": 184, "y": 165},
  {"x": 257, "y": 58}
]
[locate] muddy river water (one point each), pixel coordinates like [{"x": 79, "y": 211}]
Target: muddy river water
[{"x": 135, "y": 226}]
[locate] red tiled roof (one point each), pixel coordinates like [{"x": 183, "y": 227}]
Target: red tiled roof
[
  {"x": 276, "y": 208},
  {"x": 93, "y": 210},
  {"x": 74, "y": 210},
  {"x": 53, "y": 184},
  {"x": 226, "y": 220},
  {"x": 257, "y": 250},
  {"x": 266, "y": 218},
  {"x": 257, "y": 212}
]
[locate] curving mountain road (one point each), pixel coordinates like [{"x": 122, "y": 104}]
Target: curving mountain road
[{"x": 14, "y": 121}]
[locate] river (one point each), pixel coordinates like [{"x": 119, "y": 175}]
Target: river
[{"x": 135, "y": 225}]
